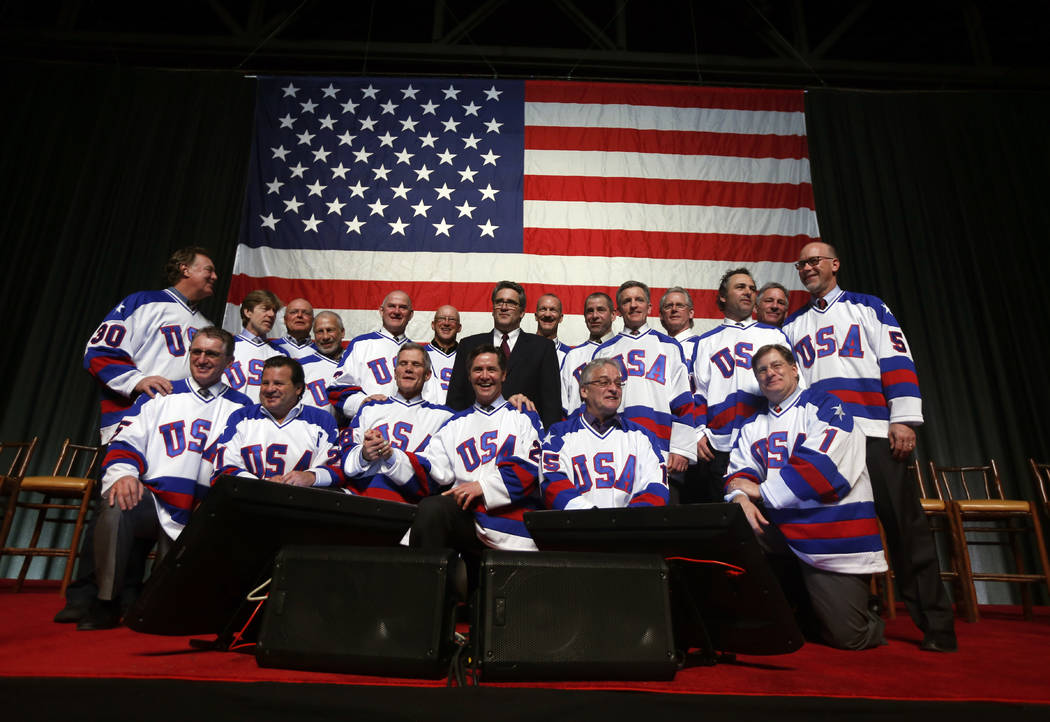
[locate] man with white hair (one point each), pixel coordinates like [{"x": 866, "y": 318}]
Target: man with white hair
[{"x": 367, "y": 367}]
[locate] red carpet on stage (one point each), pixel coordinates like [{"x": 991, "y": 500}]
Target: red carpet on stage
[{"x": 1000, "y": 659}]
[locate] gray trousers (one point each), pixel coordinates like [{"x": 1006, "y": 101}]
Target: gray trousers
[
  {"x": 115, "y": 533},
  {"x": 840, "y": 601}
]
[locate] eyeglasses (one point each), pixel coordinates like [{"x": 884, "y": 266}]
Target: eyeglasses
[
  {"x": 777, "y": 366},
  {"x": 504, "y": 303},
  {"x": 448, "y": 319},
  {"x": 674, "y": 306},
  {"x": 813, "y": 261},
  {"x": 606, "y": 383}
]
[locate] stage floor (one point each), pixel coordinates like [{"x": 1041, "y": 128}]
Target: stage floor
[{"x": 1001, "y": 659}]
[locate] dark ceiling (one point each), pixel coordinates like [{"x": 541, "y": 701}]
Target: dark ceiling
[{"x": 785, "y": 43}]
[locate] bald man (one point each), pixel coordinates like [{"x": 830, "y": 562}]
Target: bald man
[
  {"x": 851, "y": 346},
  {"x": 442, "y": 353},
  {"x": 298, "y": 322},
  {"x": 367, "y": 368}
]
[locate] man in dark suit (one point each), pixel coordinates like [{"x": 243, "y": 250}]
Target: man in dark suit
[{"x": 532, "y": 361}]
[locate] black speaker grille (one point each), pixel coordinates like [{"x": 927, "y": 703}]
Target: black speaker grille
[{"x": 556, "y": 615}]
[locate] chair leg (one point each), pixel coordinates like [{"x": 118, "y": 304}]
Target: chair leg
[
  {"x": 9, "y": 516},
  {"x": 959, "y": 593},
  {"x": 1014, "y": 531},
  {"x": 962, "y": 553},
  {"x": 74, "y": 544},
  {"x": 1040, "y": 545},
  {"x": 40, "y": 519}
]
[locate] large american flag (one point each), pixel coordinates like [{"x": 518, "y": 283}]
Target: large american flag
[{"x": 440, "y": 188}]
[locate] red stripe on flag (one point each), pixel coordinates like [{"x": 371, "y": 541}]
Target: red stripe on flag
[
  {"x": 668, "y": 192},
  {"x": 466, "y": 297},
  {"x": 676, "y": 142},
  {"x": 558, "y": 91},
  {"x": 659, "y": 244}
]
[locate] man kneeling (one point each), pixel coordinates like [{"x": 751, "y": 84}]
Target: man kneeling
[{"x": 798, "y": 470}]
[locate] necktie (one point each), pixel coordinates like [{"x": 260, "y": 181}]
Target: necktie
[
  {"x": 822, "y": 304},
  {"x": 206, "y": 393},
  {"x": 505, "y": 347}
]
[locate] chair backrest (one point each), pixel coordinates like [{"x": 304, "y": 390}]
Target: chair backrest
[
  {"x": 1042, "y": 480},
  {"x": 915, "y": 469},
  {"x": 969, "y": 482},
  {"x": 15, "y": 455},
  {"x": 78, "y": 460}
]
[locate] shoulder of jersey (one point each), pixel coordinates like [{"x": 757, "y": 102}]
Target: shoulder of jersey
[
  {"x": 317, "y": 416},
  {"x": 369, "y": 336},
  {"x": 375, "y": 402},
  {"x": 713, "y": 332},
  {"x": 237, "y": 397},
  {"x": 797, "y": 314},
  {"x": 141, "y": 298}
]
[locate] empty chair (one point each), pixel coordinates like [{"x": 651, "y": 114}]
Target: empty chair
[
  {"x": 14, "y": 457},
  {"x": 975, "y": 497},
  {"x": 68, "y": 487}
]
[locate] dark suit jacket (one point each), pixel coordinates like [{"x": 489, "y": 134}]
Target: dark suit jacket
[{"x": 532, "y": 370}]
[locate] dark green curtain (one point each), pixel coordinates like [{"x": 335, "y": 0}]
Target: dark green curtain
[
  {"x": 938, "y": 203},
  {"x": 106, "y": 170}
]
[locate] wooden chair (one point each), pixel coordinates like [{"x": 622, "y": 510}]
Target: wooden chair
[
  {"x": 68, "y": 487},
  {"x": 934, "y": 502},
  {"x": 936, "y": 510},
  {"x": 1041, "y": 472},
  {"x": 14, "y": 456},
  {"x": 967, "y": 508}
]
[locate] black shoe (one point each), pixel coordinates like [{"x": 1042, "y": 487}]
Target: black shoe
[
  {"x": 72, "y": 612},
  {"x": 104, "y": 614},
  {"x": 938, "y": 643}
]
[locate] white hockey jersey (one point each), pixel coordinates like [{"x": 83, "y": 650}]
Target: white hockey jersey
[
  {"x": 407, "y": 425},
  {"x": 657, "y": 395},
  {"x": 249, "y": 354},
  {"x": 617, "y": 467},
  {"x": 163, "y": 444},
  {"x": 809, "y": 459},
  {"x": 367, "y": 368},
  {"x": 727, "y": 393},
  {"x": 500, "y": 449},
  {"x": 436, "y": 389},
  {"x": 255, "y": 445},
  {"x": 147, "y": 334},
  {"x": 855, "y": 350}
]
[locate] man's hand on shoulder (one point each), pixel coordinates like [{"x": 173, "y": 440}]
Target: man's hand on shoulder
[
  {"x": 153, "y": 385},
  {"x": 521, "y": 402}
]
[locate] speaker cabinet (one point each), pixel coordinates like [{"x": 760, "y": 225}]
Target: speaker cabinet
[
  {"x": 568, "y": 615},
  {"x": 363, "y": 610}
]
